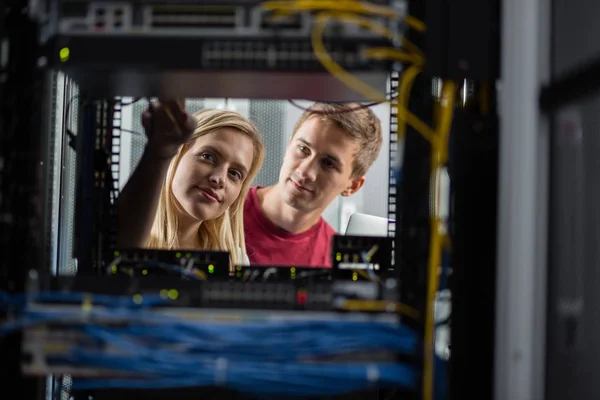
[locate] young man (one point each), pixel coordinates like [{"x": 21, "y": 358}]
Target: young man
[{"x": 332, "y": 147}]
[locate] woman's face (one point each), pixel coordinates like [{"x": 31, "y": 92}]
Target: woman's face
[{"x": 210, "y": 174}]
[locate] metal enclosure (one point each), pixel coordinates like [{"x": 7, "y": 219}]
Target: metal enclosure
[
  {"x": 573, "y": 347},
  {"x": 523, "y": 215}
]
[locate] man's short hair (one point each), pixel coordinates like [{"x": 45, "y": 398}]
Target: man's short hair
[{"x": 359, "y": 121}]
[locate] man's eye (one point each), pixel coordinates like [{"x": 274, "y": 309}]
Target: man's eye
[{"x": 329, "y": 164}]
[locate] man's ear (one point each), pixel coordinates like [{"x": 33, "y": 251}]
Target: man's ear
[{"x": 355, "y": 184}]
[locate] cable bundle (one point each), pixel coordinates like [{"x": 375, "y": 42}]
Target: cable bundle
[
  {"x": 262, "y": 358},
  {"x": 19, "y": 301},
  {"x": 258, "y": 379},
  {"x": 268, "y": 341}
]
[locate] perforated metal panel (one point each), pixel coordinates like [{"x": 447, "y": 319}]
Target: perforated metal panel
[
  {"x": 64, "y": 116},
  {"x": 52, "y": 208},
  {"x": 66, "y": 105},
  {"x": 375, "y": 199},
  {"x": 194, "y": 105},
  {"x": 137, "y": 141},
  {"x": 269, "y": 117}
]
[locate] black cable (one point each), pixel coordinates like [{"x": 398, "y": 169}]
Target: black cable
[{"x": 344, "y": 111}]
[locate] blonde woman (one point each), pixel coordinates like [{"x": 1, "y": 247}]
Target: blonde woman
[{"x": 190, "y": 185}]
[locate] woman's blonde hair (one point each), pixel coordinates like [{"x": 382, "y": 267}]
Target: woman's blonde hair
[{"x": 227, "y": 231}]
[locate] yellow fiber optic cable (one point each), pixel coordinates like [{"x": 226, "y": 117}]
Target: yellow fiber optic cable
[
  {"x": 388, "y": 53},
  {"x": 438, "y": 158},
  {"x": 409, "y": 46},
  {"x": 380, "y": 305},
  {"x": 359, "y": 7},
  {"x": 405, "y": 86},
  {"x": 329, "y": 5},
  {"x": 343, "y": 9},
  {"x": 349, "y": 79},
  {"x": 334, "y": 68},
  {"x": 415, "y": 23},
  {"x": 445, "y": 122}
]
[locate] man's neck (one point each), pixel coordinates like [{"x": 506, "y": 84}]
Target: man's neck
[{"x": 282, "y": 215}]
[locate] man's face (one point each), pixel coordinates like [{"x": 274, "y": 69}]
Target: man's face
[{"x": 318, "y": 166}]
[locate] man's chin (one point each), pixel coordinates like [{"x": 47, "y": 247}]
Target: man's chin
[{"x": 295, "y": 202}]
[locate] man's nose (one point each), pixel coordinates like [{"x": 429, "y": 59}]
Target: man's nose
[{"x": 308, "y": 169}]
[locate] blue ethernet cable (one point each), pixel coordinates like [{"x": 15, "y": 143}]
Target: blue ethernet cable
[
  {"x": 256, "y": 378},
  {"x": 266, "y": 358}
]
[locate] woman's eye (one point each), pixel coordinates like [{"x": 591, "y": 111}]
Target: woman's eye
[
  {"x": 236, "y": 174},
  {"x": 208, "y": 157},
  {"x": 303, "y": 149}
]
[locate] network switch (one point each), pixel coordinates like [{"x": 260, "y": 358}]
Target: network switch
[
  {"x": 207, "y": 49},
  {"x": 197, "y": 18}
]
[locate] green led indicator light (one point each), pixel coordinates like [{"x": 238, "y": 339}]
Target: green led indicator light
[
  {"x": 138, "y": 299},
  {"x": 64, "y": 54}
]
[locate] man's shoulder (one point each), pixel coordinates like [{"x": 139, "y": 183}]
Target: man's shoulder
[
  {"x": 326, "y": 228},
  {"x": 253, "y": 192},
  {"x": 251, "y": 198}
]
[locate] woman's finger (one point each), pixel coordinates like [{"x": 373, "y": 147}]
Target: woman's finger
[{"x": 175, "y": 110}]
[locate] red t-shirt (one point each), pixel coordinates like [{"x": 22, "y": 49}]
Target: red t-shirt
[{"x": 266, "y": 244}]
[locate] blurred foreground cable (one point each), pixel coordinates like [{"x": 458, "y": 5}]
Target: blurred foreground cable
[
  {"x": 155, "y": 349},
  {"x": 257, "y": 378}
]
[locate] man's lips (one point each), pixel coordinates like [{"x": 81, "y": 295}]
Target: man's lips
[{"x": 299, "y": 186}]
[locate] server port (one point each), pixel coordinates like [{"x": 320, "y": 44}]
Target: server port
[
  {"x": 193, "y": 16},
  {"x": 73, "y": 9},
  {"x": 288, "y": 23}
]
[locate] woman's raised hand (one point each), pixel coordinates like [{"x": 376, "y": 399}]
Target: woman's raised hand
[{"x": 167, "y": 126}]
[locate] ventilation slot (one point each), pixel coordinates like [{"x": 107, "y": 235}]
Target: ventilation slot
[
  {"x": 285, "y": 23},
  {"x": 193, "y": 17}
]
